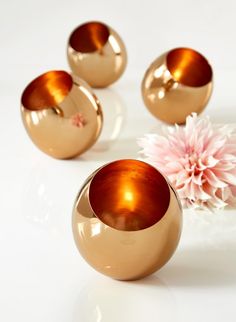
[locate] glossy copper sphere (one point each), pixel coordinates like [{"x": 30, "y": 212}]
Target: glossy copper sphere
[
  {"x": 176, "y": 84},
  {"x": 97, "y": 54},
  {"x": 61, "y": 114},
  {"x": 127, "y": 220}
]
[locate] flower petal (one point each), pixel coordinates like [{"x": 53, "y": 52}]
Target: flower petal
[{"x": 213, "y": 180}]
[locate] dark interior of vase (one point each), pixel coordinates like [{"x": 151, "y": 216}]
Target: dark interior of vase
[
  {"x": 189, "y": 67},
  {"x": 47, "y": 91},
  {"x": 89, "y": 37},
  {"x": 129, "y": 195}
]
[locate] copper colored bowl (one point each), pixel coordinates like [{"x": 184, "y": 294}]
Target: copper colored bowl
[
  {"x": 176, "y": 84},
  {"x": 61, "y": 114},
  {"x": 127, "y": 220},
  {"x": 96, "y": 53}
]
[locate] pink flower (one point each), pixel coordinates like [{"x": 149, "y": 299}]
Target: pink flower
[
  {"x": 199, "y": 159},
  {"x": 78, "y": 120}
]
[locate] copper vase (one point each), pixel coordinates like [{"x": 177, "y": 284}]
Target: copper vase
[
  {"x": 61, "y": 114},
  {"x": 96, "y": 53},
  {"x": 176, "y": 84},
  {"x": 127, "y": 220}
]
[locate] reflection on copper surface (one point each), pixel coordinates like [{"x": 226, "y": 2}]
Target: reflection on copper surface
[
  {"x": 47, "y": 90},
  {"x": 189, "y": 67},
  {"x": 129, "y": 195},
  {"x": 78, "y": 120},
  {"x": 89, "y": 37}
]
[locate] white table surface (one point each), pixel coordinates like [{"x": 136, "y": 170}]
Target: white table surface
[{"x": 42, "y": 276}]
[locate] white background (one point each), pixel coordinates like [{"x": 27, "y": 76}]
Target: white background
[{"x": 42, "y": 276}]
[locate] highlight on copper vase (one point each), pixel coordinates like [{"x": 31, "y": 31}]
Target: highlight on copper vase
[
  {"x": 176, "y": 84},
  {"x": 96, "y": 53},
  {"x": 127, "y": 220},
  {"x": 61, "y": 114}
]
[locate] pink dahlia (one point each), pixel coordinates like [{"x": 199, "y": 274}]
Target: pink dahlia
[{"x": 199, "y": 159}]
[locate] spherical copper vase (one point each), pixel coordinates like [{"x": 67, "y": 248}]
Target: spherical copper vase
[
  {"x": 176, "y": 84},
  {"x": 61, "y": 114},
  {"x": 127, "y": 220},
  {"x": 96, "y": 53}
]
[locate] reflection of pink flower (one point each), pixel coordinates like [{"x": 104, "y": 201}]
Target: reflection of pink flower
[
  {"x": 78, "y": 120},
  {"x": 199, "y": 160}
]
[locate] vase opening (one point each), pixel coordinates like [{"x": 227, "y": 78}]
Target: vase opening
[
  {"x": 89, "y": 37},
  {"x": 47, "y": 90},
  {"x": 129, "y": 195},
  {"x": 188, "y": 67}
]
